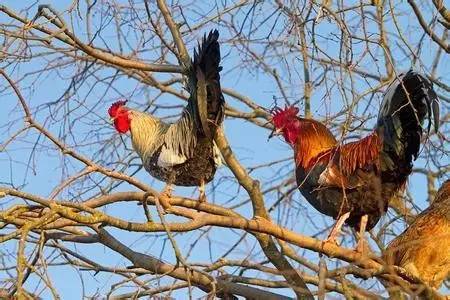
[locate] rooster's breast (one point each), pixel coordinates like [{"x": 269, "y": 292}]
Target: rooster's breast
[
  {"x": 200, "y": 167},
  {"x": 365, "y": 197}
]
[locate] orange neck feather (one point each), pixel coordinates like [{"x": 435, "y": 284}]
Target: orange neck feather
[{"x": 314, "y": 139}]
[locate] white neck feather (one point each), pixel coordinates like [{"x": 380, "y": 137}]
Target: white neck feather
[{"x": 146, "y": 134}]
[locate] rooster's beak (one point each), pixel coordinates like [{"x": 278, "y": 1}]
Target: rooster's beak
[
  {"x": 111, "y": 120},
  {"x": 275, "y": 132}
]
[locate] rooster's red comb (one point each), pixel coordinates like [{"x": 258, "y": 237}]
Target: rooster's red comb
[
  {"x": 280, "y": 116},
  {"x": 115, "y": 106}
]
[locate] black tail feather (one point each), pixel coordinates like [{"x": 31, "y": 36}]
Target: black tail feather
[
  {"x": 406, "y": 104},
  {"x": 204, "y": 84}
]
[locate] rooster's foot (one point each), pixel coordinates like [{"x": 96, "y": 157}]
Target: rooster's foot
[
  {"x": 362, "y": 245},
  {"x": 331, "y": 240},
  {"x": 336, "y": 230},
  {"x": 202, "y": 198},
  {"x": 164, "y": 197}
]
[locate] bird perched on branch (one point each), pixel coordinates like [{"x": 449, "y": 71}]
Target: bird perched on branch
[
  {"x": 423, "y": 249},
  {"x": 182, "y": 153},
  {"x": 353, "y": 182}
]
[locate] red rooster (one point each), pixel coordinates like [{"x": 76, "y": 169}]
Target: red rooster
[
  {"x": 182, "y": 153},
  {"x": 353, "y": 182}
]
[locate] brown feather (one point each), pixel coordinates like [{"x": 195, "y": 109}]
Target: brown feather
[
  {"x": 423, "y": 249},
  {"x": 317, "y": 145},
  {"x": 359, "y": 154}
]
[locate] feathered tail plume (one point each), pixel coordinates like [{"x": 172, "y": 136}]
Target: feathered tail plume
[
  {"x": 406, "y": 104},
  {"x": 206, "y": 101}
]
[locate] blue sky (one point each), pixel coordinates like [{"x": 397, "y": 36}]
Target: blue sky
[{"x": 87, "y": 125}]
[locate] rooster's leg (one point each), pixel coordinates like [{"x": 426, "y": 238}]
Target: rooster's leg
[
  {"x": 336, "y": 230},
  {"x": 362, "y": 230},
  {"x": 201, "y": 189}
]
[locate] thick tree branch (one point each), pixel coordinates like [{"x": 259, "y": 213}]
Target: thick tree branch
[{"x": 198, "y": 279}]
